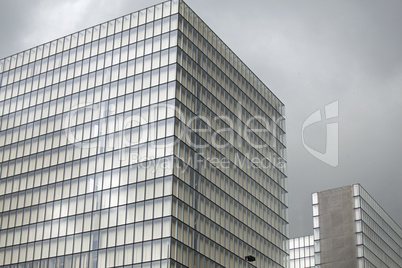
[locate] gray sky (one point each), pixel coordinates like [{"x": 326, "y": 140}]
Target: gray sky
[{"x": 309, "y": 53}]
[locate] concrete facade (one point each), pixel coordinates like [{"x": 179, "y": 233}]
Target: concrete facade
[{"x": 337, "y": 228}]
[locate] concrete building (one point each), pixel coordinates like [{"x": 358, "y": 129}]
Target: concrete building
[
  {"x": 140, "y": 142},
  {"x": 352, "y": 230}
]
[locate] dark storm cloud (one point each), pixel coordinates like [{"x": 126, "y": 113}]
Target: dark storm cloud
[{"x": 310, "y": 53}]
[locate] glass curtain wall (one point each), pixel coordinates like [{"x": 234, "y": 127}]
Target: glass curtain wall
[
  {"x": 86, "y": 146},
  {"x": 140, "y": 142},
  {"x": 378, "y": 237},
  {"x": 229, "y": 183},
  {"x": 301, "y": 252}
]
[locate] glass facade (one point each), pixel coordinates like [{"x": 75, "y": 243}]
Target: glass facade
[
  {"x": 230, "y": 197},
  {"x": 140, "y": 142},
  {"x": 316, "y": 228},
  {"x": 378, "y": 237},
  {"x": 301, "y": 252}
]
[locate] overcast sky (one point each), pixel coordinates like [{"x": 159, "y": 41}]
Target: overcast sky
[{"x": 310, "y": 54}]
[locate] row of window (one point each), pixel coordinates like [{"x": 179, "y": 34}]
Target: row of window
[
  {"x": 196, "y": 29},
  {"x": 238, "y": 185},
  {"x": 96, "y": 163},
  {"x": 177, "y": 213},
  {"x": 185, "y": 256},
  {"x": 143, "y": 79},
  {"x": 134, "y": 253},
  {"x": 90, "y": 259},
  {"x": 114, "y": 132},
  {"x": 266, "y": 116},
  {"x": 301, "y": 242},
  {"x": 54, "y": 116},
  {"x": 140, "y": 151},
  {"x": 216, "y": 256},
  {"x": 230, "y": 214},
  {"x": 74, "y": 130},
  {"x": 376, "y": 255},
  {"x": 130, "y": 253},
  {"x": 224, "y": 249},
  {"x": 126, "y": 255},
  {"x": 95, "y": 56},
  {"x": 91, "y": 147},
  {"x": 155, "y": 77},
  {"x": 220, "y": 226},
  {"x": 113, "y": 27},
  {"x": 302, "y": 262},
  {"x": 383, "y": 246},
  {"x": 194, "y": 61},
  {"x": 141, "y": 232},
  {"x": 136, "y": 213},
  {"x": 245, "y": 209},
  {"x": 157, "y": 168},
  {"x": 138, "y": 172},
  {"x": 256, "y": 168},
  {"x": 316, "y": 229},
  {"x": 384, "y": 225},
  {"x": 376, "y": 230},
  {"x": 302, "y": 252},
  {"x": 94, "y": 199},
  {"x": 243, "y": 170},
  {"x": 234, "y": 197},
  {"x": 128, "y": 129},
  {"x": 230, "y": 132}
]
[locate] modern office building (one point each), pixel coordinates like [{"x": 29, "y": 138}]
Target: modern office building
[
  {"x": 352, "y": 230},
  {"x": 140, "y": 142}
]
